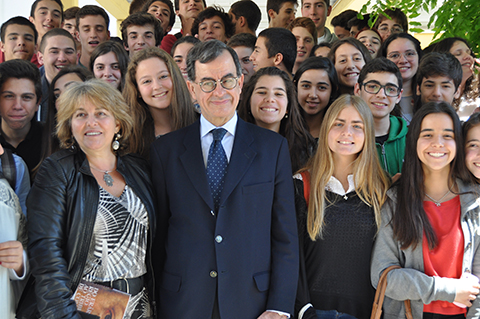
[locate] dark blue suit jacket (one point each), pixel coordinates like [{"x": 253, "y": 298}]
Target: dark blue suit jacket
[{"x": 250, "y": 248}]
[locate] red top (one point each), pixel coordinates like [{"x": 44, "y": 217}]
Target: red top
[
  {"x": 34, "y": 59},
  {"x": 446, "y": 259},
  {"x": 167, "y": 42}
]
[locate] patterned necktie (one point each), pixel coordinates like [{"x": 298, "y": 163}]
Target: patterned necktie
[{"x": 216, "y": 165}]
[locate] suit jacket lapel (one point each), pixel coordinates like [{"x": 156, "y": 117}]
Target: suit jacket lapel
[
  {"x": 240, "y": 160},
  {"x": 192, "y": 161}
]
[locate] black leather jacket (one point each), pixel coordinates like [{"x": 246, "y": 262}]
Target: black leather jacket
[{"x": 62, "y": 207}]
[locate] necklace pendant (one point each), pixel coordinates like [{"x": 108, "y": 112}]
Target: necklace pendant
[
  {"x": 438, "y": 204},
  {"x": 345, "y": 197},
  {"x": 108, "y": 179}
]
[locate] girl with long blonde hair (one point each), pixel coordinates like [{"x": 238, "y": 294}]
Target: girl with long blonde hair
[{"x": 338, "y": 199}]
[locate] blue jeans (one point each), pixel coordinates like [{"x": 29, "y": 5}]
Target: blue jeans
[{"x": 333, "y": 314}]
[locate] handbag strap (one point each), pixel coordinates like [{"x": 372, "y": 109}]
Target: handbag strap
[{"x": 380, "y": 296}]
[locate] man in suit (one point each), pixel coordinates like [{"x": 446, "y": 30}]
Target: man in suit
[{"x": 228, "y": 245}]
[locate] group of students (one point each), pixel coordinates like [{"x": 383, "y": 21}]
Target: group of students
[{"x": 383, "y": 171}]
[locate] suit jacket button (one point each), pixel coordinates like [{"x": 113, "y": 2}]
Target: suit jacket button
[
  {"x": 213, "y": 274},
  {"x": 218, "y": 239}
]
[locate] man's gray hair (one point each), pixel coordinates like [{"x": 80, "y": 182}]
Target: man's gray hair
[{"x": 207, "y": 51}]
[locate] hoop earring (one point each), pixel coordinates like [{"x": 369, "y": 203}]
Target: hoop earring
[{"x": 116, "y": 143}]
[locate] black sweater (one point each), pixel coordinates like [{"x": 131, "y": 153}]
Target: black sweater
[{"x": 335, "y": 270}]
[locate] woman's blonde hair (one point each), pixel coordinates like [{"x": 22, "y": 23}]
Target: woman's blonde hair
[
  {"x": 100, "y": 94},
  {"x": 371, "y": 181},
  {"x": 182, "y": 112}
]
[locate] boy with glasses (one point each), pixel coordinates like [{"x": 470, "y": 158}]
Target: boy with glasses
[
  {"x": 380, "y": 86},
  {"x": 396, "y": 22}
]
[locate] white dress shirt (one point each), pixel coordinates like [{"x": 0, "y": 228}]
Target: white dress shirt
[{"x": 207, "y": 138}]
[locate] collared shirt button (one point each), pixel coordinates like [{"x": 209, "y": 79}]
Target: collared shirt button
[
  {"x": 213, "y": 274},
  {"x": 218, "y": 239}
]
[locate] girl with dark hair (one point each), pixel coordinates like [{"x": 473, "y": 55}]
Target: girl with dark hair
[
  {"x": 268, "y": 100},
  {"x": 469, "y": 98},
  {"x": 430, "y": 224},
  {"x": 317, "y": 85},
  {"x": 338, "y": 199},
  {"x": 180, "y": 51},
  {"x": 158, "y": 96},
  {"x": 109, "y": 62},
  {"x": 405, "y": 51},
  {"x": 349, "y": 56},
  {"x": 471, "y": 134}
]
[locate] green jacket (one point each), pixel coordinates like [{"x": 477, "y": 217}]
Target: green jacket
[{"x": 392, "y": 152}]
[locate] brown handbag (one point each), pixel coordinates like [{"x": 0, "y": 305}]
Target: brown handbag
[{"x": 380, "y": 295}]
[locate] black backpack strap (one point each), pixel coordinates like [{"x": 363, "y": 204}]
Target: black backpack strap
[
  {"x": 8, "y": 167},
  {"x": 178, "y": 35}
]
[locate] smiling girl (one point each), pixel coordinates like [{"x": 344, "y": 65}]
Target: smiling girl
[
  {"x": 158, "y": 95},
  {"x": 430, "y": 224},
  {"x": 109, "y": 62},
  {"x": 471, "y": 134},
  {"x": 268, "y": 100},
  {"x": 338, "y": 199},
  {"x": 405, "y": 51},
  {"x": 349, "y": 56},
  {"x": 317, "y": 84}
]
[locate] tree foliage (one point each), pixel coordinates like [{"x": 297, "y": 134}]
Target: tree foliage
[{"x": 454, "y": 18}]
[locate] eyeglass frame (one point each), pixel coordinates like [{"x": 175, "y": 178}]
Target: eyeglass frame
[
  {"x": 392, "y": 30},
  {"x": 381, "y": 87},
  {"x": 202, "y": 83},
  {"x": 395, "y": 60}
]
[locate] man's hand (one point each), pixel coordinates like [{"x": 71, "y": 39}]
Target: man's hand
[{"x": 271, "y": 315}]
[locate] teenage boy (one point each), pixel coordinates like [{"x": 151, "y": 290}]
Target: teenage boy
[
  {"x": 20, "y": 92},
  {"x": 246, "y": 16},
  {"x": 380, "y": 86},
  {"x": 70, "y": 24},
  {"x": 275, "y": 47},
  {"x": 396, "y": 23},
  {"x": 163, "y": 11},
  {"x": 281, "y": 12},
  {"x": 438, "y": 78},
  {"x": 318, "y": 11},
  {"x": 18, "y": 39},
  {"x": 92, "y": 29},
  {"x": 46, "y": 15},
  {"x": 244, "y": 44},
  {"x": 187, "y": 11},
  {"x": 340, "y": 23},
  {"x": 57, "y": 50},
  {"x": 139, "y": 31}
]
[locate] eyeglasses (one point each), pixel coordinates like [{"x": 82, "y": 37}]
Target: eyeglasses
[
  {"x": 227, "y": 82},
  {"x": 385, "y": 29},
  {"x": 395, "y": 56},
  {"x": 373, "y": 87}
]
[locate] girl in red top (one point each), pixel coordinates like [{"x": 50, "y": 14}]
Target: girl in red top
[{"x": 430, "y": 224}]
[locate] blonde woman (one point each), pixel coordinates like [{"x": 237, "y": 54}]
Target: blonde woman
[{"x": 338, "y": 200}]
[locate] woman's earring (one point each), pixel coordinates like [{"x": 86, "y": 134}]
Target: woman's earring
[
  {"x": 116, "y": 143},
  {"x": 286, "y": 115}
]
